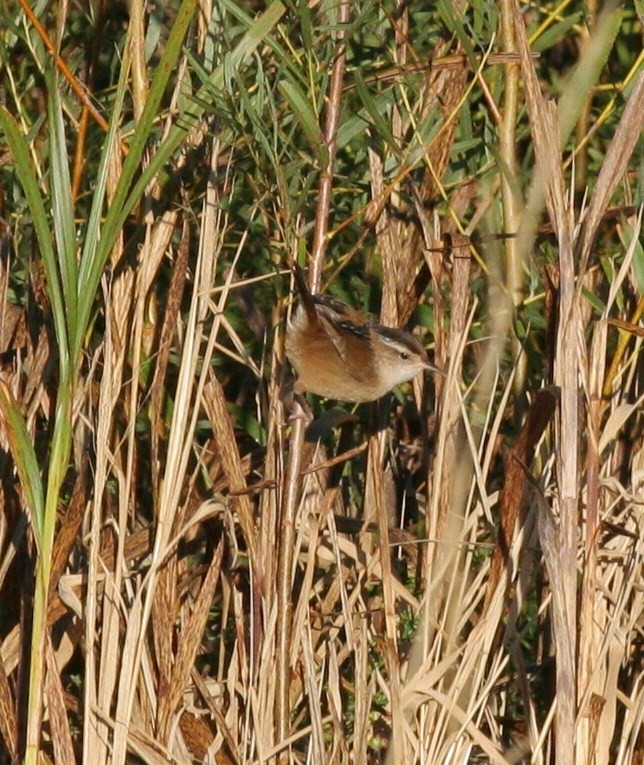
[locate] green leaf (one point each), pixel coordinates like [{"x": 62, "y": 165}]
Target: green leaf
[
  {"x": 450, "y": 14},
  {"x": 638, "y": 257},
  {"x": 376, "y": 109},
  {"x": 40, "y": 218},
  {"x": 306, "y": 116},
  {"x": 594, "y": 301},
  {"x": 556, "y": 32},
  {"x": 24, "y": 457},
  {"x": 588, "y": 71},
  {"x": 63, "y": 215}
]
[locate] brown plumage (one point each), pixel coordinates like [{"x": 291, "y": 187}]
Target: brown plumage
[{"x": 338, "y": 353}]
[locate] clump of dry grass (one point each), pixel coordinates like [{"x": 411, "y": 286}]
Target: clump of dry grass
[{"x": 452, "y": 576}]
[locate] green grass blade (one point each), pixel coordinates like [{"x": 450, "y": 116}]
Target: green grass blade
[
  {"x": 588, "y": 71},
  {"x": 29, "y": 181},
  {"x": 62, "y": 207},
  {"x": 376, "y": 110},
  {"x": 307, "y": 117},
  {"x": 24, "y": 457}
]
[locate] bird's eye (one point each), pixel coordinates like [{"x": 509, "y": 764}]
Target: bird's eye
[{"x": 404, "y": 355}]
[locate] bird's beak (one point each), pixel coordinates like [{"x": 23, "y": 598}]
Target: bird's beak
[{"x": 434, "y": 368}]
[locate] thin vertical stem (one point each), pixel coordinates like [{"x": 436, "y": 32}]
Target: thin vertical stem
[
  {"x": 512, "y": 206},
  {"x": 285, "y": 579},
  {"x": 326, "y": 173}
]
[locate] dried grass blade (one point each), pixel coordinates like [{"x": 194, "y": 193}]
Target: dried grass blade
[
  {"x": 614, "y": 166},
  {"x": 60, "y": 732},
  {"x": 215, "y": 404},
  {"x": 171, "y": 316},
  {"x": 518, "y": 461},
  {"x": 546, "y": 134},
  {"x": 364, "y": 694},
  {"x": 8, "y": 719},
  {"x": 189, "y": 642},
  {"x": 165, "y": 609},
  {"x": 198, "y": 737},
  {"x": 69, "y": 527},
  {"x": 313, "y": 689}
]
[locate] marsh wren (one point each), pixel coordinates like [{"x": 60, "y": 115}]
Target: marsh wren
[{"x": 338, "y": 353}]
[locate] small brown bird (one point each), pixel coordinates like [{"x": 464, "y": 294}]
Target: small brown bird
[{"x": 338, "y": 353}]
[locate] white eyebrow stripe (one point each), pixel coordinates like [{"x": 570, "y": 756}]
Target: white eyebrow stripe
[
  {"x": 398, "y": 342},
  {"x": 392, "y": 342}
]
